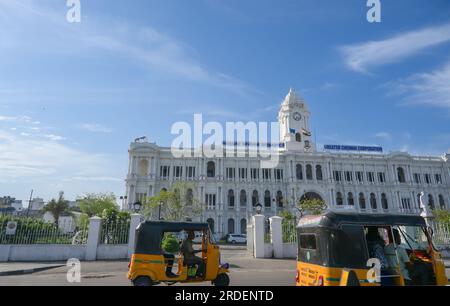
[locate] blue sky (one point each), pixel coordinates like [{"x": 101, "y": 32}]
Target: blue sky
[{"x": 73, "y": 96}]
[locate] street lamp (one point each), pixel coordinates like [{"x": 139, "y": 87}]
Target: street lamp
[
  {"x": 137, "y": 206},
  {"x": 258, "y": 208}
]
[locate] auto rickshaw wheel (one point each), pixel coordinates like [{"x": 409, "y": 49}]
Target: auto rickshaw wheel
[
  {"x": 222, "y": 280},
  {"x": 143, "y": 281}
]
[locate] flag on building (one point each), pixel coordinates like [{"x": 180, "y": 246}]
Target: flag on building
[
  {"x": 292, "y": 131},
  {"x": 306, "y": 133}
]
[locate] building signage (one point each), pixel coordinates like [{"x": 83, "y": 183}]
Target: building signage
[{"x": 353, "y": 148}]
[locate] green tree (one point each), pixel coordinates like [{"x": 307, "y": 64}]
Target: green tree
[
  {"x": 312, "y": 206},
  {"x": 94, "y": 204},
  {"x": 287, "y": 215},
  {"x": 177, "y": 204},
  {"x": 442, "y": 216},
  {"x": 57, "y": 208}
]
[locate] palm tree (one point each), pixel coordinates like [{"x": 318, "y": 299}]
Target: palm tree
[{"x": 57, "y": 208}]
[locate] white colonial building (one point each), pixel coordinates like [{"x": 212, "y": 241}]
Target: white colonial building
[{"x": 230, "y": 187}]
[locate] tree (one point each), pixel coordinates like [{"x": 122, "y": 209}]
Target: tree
[
  {"x": 442, "y": 216},
  {"x": 94, "y": 204},
  {"x": 287, "y": 215},
  {"x": 176, "y": 204},
  {"x": 312, "y": 206},
  {"x": 57, "y": 208}
]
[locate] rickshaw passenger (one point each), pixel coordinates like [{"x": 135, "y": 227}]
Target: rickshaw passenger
[
  {"x": 376, "y": 250},
  {"x": 188, "y": 251},
  {"x": 395, "y": 248}
]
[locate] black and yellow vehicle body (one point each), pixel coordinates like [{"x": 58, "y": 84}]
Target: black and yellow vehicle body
[
  {"x": 148, "y": 264},
  {"x": 332, "y": 250}
]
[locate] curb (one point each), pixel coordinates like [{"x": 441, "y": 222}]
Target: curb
[{"x": 28, "y": 271}]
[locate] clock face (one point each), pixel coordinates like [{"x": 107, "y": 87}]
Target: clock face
[{"x": 297, "y": 116}]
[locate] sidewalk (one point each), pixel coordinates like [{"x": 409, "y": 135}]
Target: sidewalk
[{"x": 14, "y": 268}]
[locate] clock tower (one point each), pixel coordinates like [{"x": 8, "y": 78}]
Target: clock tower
[{"x": 295, "y": 131}]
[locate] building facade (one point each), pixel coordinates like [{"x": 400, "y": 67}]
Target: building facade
[{"x": 230, "y": 187}]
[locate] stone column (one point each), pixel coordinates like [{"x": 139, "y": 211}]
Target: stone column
[
  {"x": 136, "y": 219},
  {"x": 276, "y": 236},
  {"x": 95, "y": 226},
  {"x": 258, "y": 236}
]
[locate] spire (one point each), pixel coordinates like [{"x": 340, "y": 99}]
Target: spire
[{"x": 292, "y": 98}]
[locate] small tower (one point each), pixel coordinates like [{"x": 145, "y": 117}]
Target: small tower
[{"x": 295, "y": 131}]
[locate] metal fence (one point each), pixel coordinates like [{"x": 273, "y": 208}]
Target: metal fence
[
  {"x": 289, "y": 231},
  {"x": 28, "y": 231},
  {"x": 441, "y": 234},
  {"x": 115, "y": 231}
]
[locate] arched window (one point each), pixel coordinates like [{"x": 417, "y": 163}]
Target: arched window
[
  {"x": 431, "y": 201},
  {"x": 299, "y": 172},
  {"x": 163, "y": 189},
  {"x": 401, "y": 175},
  {"x": 373, "y": 201},
  {"x": 280, "y": 198},
  {"x": 255, "y": 198},
  {"x": 441, "y": 201},
  {"x": 309, "y": 172},
  {"x": 231, "y": 226},
  {"x": 243, "y": 198},
  {"x": 384, "y": 201},
  {"x": 362, "y": 201},
  {"x": 189, "y": 197},
  {"x": 211, "y": 169},
  {"x": 243, "y": 226},
  {"x": 230, "y": 198},
  {"x": 211, "y": 224},
  {"x": 267, "y": 201},
  {"x": 339, "y": 199},
  {"x": 143, "y": 167},
  {"x": 350, "y": 199},
  {"x": 298, "y": 137},
  {"x": 319, "y": 174}
]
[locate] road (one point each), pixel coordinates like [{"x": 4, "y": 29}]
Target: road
[{"x": 244, "y": 271}]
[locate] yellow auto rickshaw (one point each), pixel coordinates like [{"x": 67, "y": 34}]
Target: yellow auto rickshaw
[
  {"x": 339, "y": 249},
  {"x": 151, "y": 262}
]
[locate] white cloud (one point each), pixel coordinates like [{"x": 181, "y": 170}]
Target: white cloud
[
  {"x": 95, "y": 128},
  {"x": 431, "y": 88},
  {"x": 361, "y": 57},
  {"x": 384, "y": 136},
  {"x": 53, "y": 137}
]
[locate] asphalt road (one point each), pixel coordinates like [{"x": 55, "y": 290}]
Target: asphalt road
[{"x": 244, "y": 271}]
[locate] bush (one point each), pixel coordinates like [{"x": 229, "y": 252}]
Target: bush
[{"x": 170, "y": 244}]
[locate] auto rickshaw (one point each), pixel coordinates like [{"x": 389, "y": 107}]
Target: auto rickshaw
[
  {"x": 333, "y": 250},
  {"x": 150, "y": 262}
]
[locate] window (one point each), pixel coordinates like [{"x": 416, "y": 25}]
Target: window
[
  {"x": 319, "y": 174},
  {"x": 384, "y": 201},
  {"x": 255, "y": 174},
  {"x": 243, "y": 173},
  {"x": 339, "y": 199},
  {"x": 417, "y": 178},
  {"x": 231, "y": 173},
  {"x": 231, "y": 226},
  {"x": 143, "y": 167},
  {"x": 178, "y": 172},
  {"x": 406, "y": 204},
  {"x": 308, "y": 250},
  {"x": 299, "y": 172},
  {"x": 337, "y": 175},
  {"x": 243, "y": 198},
  {"x": 348, "y": 247},
  {"x": 267, "y": 199},
  {"x": 307, "y": 144},
  {"x": 438, "y": 178},
  {"x": 431, "y": 201},
  {"x": 230, "y": 198},
  {"x": 359, "y": 176},
  {"x": 140, "y": 197},
  {"x": 350, "y": 200},
  {"x": 279, "y": 174},
  {"x": 373, "y": 201},
  {"x": 401, "y": 175},
  {"x": 441, "y": 201},
  {"x": 348, "y": 176},
  {"x": 370, "y": 177},
  {"x": 190, "y": 172},
  {"x": 298, "y": 137},
  {"x": 255, "y": 198},
  {"x": 189, "y": 197},
  {"x": 280, "y": 199},
  {"x": 210, "y": 201},
  {"x": 381, "y": 177},
  {"x": 267, "y": 174},
  {"x": 308, "y": 242},
  {"x": 362, "y": 201},
  {"x": 309, "y": 172},
  {"x": 211, "y": 169},
  {"x": 165, "y": 170},
  {"x": 428, "y": 178}
]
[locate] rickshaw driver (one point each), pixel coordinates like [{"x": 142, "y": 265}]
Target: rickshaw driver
[
  {"x": 395, "y": 251},
  {"x": 188, "y": 251}
]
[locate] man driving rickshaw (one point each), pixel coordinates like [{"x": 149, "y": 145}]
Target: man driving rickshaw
[
  {"x": 343, "y": 249},
  {"x": 157, "y": 249}
]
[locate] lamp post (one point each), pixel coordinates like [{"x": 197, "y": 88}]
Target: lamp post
[
  {"x": 137, "y": 206},
  {"x": 159, "y": 210},
  {"x": 258, "y": 208}
]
